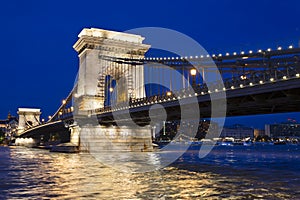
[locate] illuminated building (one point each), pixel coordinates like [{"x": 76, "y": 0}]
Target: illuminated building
[
  {"x": 237, "y": 131},
  {"x": 287, "y": 129}
]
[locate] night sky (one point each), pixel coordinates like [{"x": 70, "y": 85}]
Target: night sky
[{"x": 39, "y": 65}]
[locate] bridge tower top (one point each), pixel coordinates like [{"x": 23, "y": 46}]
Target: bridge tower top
[{"x": 112, "y": 43}]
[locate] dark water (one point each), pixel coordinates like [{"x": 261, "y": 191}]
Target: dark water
[{"x": 238, "y": 172}]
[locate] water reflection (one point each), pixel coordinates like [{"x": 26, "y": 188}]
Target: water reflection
[{"x": 32, "y": 173}]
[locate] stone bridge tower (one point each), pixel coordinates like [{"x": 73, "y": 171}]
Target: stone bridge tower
[
  {"x": 105, "y": 61},
  {"x": 98, "y": 51},
  {"x": 28, "y": 117}
]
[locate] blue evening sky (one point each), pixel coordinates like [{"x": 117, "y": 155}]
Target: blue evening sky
[{"x": 39, "y": 65}]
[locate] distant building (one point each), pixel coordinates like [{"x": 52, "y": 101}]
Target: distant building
[
  {"x": 285, "y": 129},
  {"x": 259, "y": 132},
  {"x": 3, "y": 125},
  {"x": 237, "y": 131},
  {"x": 9, "y": 126}
]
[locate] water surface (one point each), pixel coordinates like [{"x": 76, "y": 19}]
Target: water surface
[{"x": 238, "y": 172}]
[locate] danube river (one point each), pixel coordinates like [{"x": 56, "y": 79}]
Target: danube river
[{"x": 233, "y": 172}]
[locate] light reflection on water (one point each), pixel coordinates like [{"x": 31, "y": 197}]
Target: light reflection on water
[{"x": 228, "y": 172}]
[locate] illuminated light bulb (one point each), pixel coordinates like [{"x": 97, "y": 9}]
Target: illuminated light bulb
[
  {"x": 216, "y": 90},
  {"x": 193, "y": 72},
  {"x": 259, "y": 51},
  {"x": 227, "y": 54},
  {"x": 298, "y": 75},
  {"x": 271, "y": 79},
  {"x": 291, "y": 46},
  {"x": 261, "y": 82},
  {"x": 279, "y": 48},
  {"x": 284, "y": 77},
  {"x": 242, "y": 52},
  {"x": 224, "y": 89},
  {"x": 251, "y": 84},
  {"x": 269, "y": 49},
  {"x": 250, "y": 51},
  {"x": 232, "y": 87},
  {"x": 207, "y": 56},
  {"x": 202, "y": 93},
  {"x": 234, "y": 53},
  {"x": 220, "y": 55},
  {"x": 241, "y": 85},
  {"x": 243, "y": 77}
]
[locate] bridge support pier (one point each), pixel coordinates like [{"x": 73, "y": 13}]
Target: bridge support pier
[
  {"x": 97, "y": 139},
  {"x": 74, "y": 135},
  {"x": 27, "y": 142}
]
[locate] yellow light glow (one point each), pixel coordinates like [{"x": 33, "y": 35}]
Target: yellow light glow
[
  {"x": 193, "y": 72},
  {"x": 64, "y": 102},
  {"x": 243, "y": 77},
  {"x": 111, "y": 89},
  {"x": 169, "y": 93}
]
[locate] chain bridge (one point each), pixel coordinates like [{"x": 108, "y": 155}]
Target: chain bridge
[{"x": 117, "y": 86}]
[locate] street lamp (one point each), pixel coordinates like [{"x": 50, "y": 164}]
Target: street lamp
[{"x": 193, "y": 73}]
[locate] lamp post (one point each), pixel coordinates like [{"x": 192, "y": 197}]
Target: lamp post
[{"x": 193, "y": 73}]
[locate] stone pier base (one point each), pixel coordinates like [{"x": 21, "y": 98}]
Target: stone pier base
[
  {"x": 27, "y": 142},
  {"x": 98, "y": 138}
]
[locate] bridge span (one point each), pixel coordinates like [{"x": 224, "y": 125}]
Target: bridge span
[{"x": 114, "y": 87}]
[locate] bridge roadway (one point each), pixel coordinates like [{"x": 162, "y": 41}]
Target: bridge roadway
[{"x": 267, "y": 98}]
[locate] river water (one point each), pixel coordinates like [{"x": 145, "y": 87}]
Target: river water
[{"x": 232, "y": 172}]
